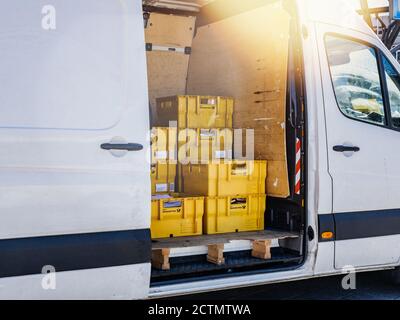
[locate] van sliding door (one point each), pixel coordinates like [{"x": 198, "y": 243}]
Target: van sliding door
[{"x": 75, "y": 186}]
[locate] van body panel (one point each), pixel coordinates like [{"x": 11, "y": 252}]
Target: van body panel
[
  {"x": 120, "y": 282},
  {"x": 367, "y": 252},
  {"x": 56, "y": 179},
  {"x": 324, "y": 263},
  {"x": 230, "y": 283},
  {"x": 64, "y": 190}
]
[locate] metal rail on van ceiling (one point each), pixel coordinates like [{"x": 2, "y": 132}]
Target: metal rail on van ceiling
[
  {"x": 189, "y": 6},
  {"x": 207, "y": 11}
]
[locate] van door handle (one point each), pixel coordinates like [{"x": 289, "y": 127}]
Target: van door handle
[
  {"x": 345, "y": 149},
  {"x": 122, "y": 146}
]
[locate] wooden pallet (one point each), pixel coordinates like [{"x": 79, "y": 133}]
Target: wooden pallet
[{"x": 261, "y": 245}]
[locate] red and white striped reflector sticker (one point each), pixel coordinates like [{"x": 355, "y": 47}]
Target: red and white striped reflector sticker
[{"x": 297, "y": 188}]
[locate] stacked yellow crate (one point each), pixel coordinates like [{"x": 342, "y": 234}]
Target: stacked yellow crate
[
  {"x": 202, "y": 146},
  {"x": 195, "y": 112},
  {"x": 232, "y": 191},
  {"x": 163, "y": 166},
  {"x": 235, "y": 194},
  {"x": 199, "y": 136},
  {"x": 171, "y": 215},
  {"x": 176, "y": 216}
]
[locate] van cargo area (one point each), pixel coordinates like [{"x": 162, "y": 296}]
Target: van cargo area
[{"x": 228, "y": 73}]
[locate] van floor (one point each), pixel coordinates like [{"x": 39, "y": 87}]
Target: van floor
[
  {"x": 185, "y": 242},
  {"x": 196, "y": 265}
]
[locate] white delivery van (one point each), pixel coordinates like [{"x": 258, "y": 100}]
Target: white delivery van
[{"x": 76, "y": 81}]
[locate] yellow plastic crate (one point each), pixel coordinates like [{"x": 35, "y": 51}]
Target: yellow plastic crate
[
  {"x": 204, "y": 145},
  {"x": 177, "y": 217},
  {"x": 163, "y": 144},
  {"x": 163, "y": 175},
  {"x": 195, "y": 111},
  {"x": 224, "y": 179},
  {"x": 234, "y": 214}
]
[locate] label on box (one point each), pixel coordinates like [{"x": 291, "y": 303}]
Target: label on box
[
  {"x": 162, "y": 187},
  {"x": 239, "y": 170},
  {"x": 172, "y": 187},
  {"x": 161, "y": 155}
]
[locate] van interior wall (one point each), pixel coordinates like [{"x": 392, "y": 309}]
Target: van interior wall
[
  {"x": 246, "y": 57},
  {"x": 167, "y": 71}
]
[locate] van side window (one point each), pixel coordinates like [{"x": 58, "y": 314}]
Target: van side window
[
  {"x": 393, "y": 85},
  {"x": 356, "y": 81}
]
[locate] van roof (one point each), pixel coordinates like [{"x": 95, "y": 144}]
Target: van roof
[{"x": 334, "y": 12}]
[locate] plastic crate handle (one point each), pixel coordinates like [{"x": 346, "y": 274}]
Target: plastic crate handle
[
  {"x": 239, "y": 167},
  {"x": 204, "y": 103}
]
